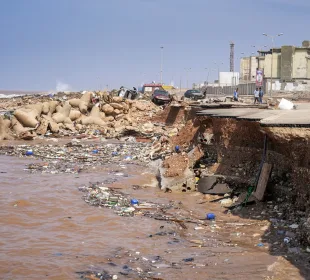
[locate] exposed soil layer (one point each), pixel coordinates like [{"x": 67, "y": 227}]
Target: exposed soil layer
[
  {"x": 237, "y": 148},
  {"x": 175, "y": 165}
]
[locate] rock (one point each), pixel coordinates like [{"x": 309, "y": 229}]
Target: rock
[
  {"x": 227, "y": 202},
  {"x": 119, "y": 117},
  {"x": 117, "y": 99},
  {"x": 107, "y": 109},
  {"x": 148, "y": 127},
  {"x": 109, "y": 119},
  {"x": 140, "y": 106},
  {"x": 117, "y": 106},
  {"x": 116, "y": 112}
]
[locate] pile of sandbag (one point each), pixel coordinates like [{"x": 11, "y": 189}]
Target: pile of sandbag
[{"x": 111, "y": 114}]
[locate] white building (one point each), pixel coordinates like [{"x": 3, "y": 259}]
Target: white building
[{"x": 228, "y": 78}]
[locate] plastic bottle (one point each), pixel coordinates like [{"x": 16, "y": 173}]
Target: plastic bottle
[
  {"x": 134, "y": 201},
  {"x": 29, "y": 153},
  {"x": 210, "y": 216}
]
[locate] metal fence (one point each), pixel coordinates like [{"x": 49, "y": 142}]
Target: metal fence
[{"x": 243, "y": 89}]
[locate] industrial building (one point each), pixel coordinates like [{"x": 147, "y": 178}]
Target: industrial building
[{"x": 290, "y": 67}]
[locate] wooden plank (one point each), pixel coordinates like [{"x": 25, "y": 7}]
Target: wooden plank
[{"x": 262, "y": 182}]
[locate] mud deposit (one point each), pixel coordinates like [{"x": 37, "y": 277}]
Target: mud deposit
[{"x": 49, "y": 232}]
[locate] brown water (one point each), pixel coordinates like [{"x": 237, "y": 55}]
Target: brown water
[{"x": 48, "y": 232}]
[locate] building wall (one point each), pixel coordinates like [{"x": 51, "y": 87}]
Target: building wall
[
  {"x": 254, "y": 66},
  {"x": 229, "y": 78},
  {"x": 276, "y": 71},
  {"x": 261, "y": 63},
  {"x": 244, "y": 68},
  {"x": 300, "y": 67},
  {"x": 287, "y": 55}
]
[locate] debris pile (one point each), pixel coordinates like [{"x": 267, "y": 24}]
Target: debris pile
[
  {"x": 74, "y": 157},
  {"x": 97, "y": 194},
  {"x": 111, "y": 116}
]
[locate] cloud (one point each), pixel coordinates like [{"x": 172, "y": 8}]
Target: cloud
[{"x": 60, "y": 87}]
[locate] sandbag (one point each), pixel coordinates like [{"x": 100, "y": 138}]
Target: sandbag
[
  {"x": 102, "y": 115},
  {"x": 94, "y": 117},
  {"x": 27, "y": 117},
  {"x": 62, "y": 116},
  {"x": 38, "y": 107},
  {"x": 4, "y": 129},
  {"x": 83, "y": 103},
  {"x": 52, "y": 108},
  {"x": 45, "y": 108},
  {"x": 74, "y": 115},
  {"x": 42, "y": 128}
]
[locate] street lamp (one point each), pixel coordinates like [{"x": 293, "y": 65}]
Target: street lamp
[
  {"x": 161, "y": 63},
  {"x": 272, "y": 40},
  {"x": 218, "y": 68},
  {"x": 187, "y": 70},
  {"x": 207, "y": 75}
]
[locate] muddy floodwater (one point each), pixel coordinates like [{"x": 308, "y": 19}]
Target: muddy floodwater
[{"x": 49, "y": 232}]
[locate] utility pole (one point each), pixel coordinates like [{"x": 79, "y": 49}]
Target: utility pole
[
  {"x": 272, "y": 40},
  {"x": 161, "y": 63}
]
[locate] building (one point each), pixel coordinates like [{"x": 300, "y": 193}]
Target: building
[
  {"x": 290, "y": 65},
  {"x": 228, "y": 78}
]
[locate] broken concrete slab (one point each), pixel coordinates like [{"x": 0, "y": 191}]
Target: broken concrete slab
[
  {"x": 219, "y": 189},
  {"x": 206, "y": 183}
]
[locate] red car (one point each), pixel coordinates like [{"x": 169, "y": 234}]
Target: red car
[{"x": 161, "y": 97}]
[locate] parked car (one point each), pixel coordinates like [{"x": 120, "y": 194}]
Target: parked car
[
  {"x": 194, "y": 94},
  {"x": 161, "y": 97}
]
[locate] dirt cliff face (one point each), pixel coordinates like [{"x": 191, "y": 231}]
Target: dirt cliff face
[{"x": 237, "y": 147}]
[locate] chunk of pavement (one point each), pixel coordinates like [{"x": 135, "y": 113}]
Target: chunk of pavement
[
  {"x": 219, "y": 189},
  {"x": 206, "y": 183}
]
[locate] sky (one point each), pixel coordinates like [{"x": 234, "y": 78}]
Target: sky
[{"x": 92, "y": 44}]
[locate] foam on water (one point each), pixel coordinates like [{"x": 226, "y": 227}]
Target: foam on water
[{"x": 9, "y": 95}]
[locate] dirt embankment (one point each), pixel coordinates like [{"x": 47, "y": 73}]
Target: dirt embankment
[{"x": 236, "y": 151}]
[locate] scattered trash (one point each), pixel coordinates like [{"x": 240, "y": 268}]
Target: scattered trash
[
  {"x": 287, "y": 240},
  {"x": 95, "y": 151},
  {"x": 286, "y": 104},
  {"x": 29, "y": 153},
  {"x": 294, "y": 226},
  {"x": 188, "y": 260},
  {"x": 210, "y": 216},
  {"x": 134, "y": 201},
  {"x": 260, "y": 245}
]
